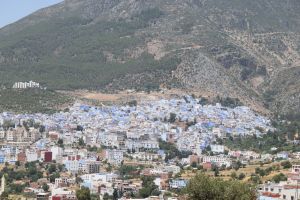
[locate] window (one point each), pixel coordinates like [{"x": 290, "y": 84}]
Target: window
[{"x": 284, "y": 197}]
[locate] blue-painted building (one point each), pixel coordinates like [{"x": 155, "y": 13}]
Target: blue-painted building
[
  {"x": 178, "y": 183},
  {"x": 2, "y": 158}
]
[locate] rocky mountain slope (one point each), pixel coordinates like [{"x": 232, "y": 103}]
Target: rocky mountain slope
[{"x": 244, "y": 49}]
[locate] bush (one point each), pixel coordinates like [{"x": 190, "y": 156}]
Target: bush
[
  {"x": 279, "y": 177},
  {"x": 286, "y": 164},
  {"x": 242, "y": 176}
]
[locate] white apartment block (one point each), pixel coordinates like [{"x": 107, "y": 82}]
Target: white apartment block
[
  {"x": 64, "y": 181},
  {"x": 57, "y": 152},
  {"x": 10, "y": 136},
  {"x": 149, "y": 144},
  {"x": 31, "y": 155},
  {"x": 172, "y": 168},
  {"x": 114, "y": 157},
  {"x": 74, "y": 166},
  {"x": 104, "y": 177},
  {"x": 146, "y": 144},
  {"x": 2, "y": 134},
  {"x": 218, "y": 160},
  {"x": 24, "y": 85},
  {"x": 145, "y": 156},
  {"x": 217, "y": 148}
]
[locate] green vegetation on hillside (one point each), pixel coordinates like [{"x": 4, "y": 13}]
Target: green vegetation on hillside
[
  {"x": 285, "y": 131},
  {"x": 171, "y": 151},
  {"x": 202, "y": 187},
  {"x": 80, "y": 54},
  {"x": 83, "y": 194},
  {"x": 228, "y": 102},
  {"x": 32, "y": 101},
  {"x": 149, "y": 187},
  {"x": 19, "y": 176}
]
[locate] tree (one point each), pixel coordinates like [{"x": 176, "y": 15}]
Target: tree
[
  {"x": 36, "y": 125},
  {"x": 115, "y": 194},
  {"x": 255, "y": 179},
  {"x": 51, "y": 168},
  {"x": 127, "y": 170},
  {"x": 172, "y": 118},
  {"x": 203, "y": 101},
  {"x": 237, "y": 165},
  {"x": 242, "y": 176},
  {"x": 81, "y": 142},
  {"x": 61, "y": 167},
  {"x": 105, "y": 196},
  {"x": 79, "y": 128},
  {"x": 235, "y": 190},
  {"x": 165, "y": 119},
  {"x": 260, "y": 171},
  {"x": 18, "y": 163},
  {"x": 54, "y": 176},
  {"x": 16, "y": 188},
  {"x": 202, "y": 187},
  {"x": 83, "y": 194},
  {"x": 4, "y": 195},
  {"x": 78, "y": 180},
  {"x": 42, "y": 129},
  {"x": 60, "y": 142},
  {"x": 279, "y": 177},
  {"x": 170, "y": 149},
  {"x": 45, "y": 187},
  {"x": 194, "y": 165},
  {"x": 219, "y": 141},
  {"x": 216, "y": 170},
  {"x": 133, "y": 103},
  {"x": 92, "y": 149},
  {"x": 286, "y": 164},
  {"x": 216, "y": 173},
  {"x": 8, "y": 124},
  {"x": 233, "y": 175},
  {"x": 149, "y": 188},
  {"x": 95, "y": 197},
  {"x": 109, "y": 167}
]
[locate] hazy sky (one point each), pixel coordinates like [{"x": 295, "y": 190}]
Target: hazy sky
[{"x": 13, "y": 10}]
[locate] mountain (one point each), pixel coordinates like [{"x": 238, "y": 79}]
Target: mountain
[{"x": 244, "y": 49}]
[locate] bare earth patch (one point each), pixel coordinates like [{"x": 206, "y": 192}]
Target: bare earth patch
[{"x": 128, "y": 95}]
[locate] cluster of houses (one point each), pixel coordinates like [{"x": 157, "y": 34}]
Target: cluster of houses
[
  {"x": 288, "y": 189},
  {"x": 127, "y": 135}
]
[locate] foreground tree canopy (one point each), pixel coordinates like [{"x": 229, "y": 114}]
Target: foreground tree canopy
[
  {"x": 202, "y": 187},
  {"x": 83, "y": 194}
]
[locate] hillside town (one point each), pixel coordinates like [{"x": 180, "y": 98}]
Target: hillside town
[
  {"x": 138, "y": 150},
  {"x": 149, "y": 100}
]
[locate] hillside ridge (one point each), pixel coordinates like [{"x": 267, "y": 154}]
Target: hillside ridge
[{"x": 243, "y": 49}]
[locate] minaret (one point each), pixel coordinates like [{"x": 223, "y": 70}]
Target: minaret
[{"x": 2, "y": 184}]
